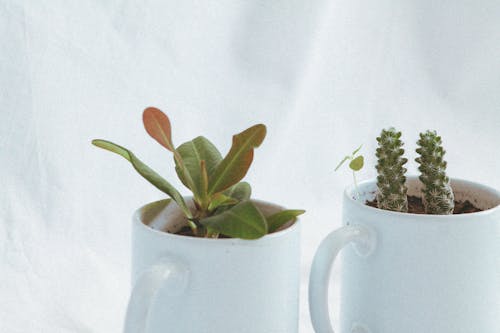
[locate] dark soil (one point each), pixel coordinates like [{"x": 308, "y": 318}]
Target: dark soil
[
  {"x": 186, "y": 231},
  {"x": 415, "y": 206}
]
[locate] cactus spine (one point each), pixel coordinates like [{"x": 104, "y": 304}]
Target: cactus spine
[
  {"x": 438, "y": 196},
  {"x": 391, "y": 194}
]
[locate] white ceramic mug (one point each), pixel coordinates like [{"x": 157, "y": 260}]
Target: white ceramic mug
[
  {"x": 185, "y": 284},
  {"x": 409, "y": 273}
]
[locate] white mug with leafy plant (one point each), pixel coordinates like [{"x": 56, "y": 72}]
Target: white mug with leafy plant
[{"x": 218, "y": 261}]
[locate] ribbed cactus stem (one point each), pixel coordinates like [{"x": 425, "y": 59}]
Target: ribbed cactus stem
[
  {"x": 391, "y": 180},
  {"x": 438, "y": 196}
]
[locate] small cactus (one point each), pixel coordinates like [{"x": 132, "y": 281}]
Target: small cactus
[
  {"x": 391, "y": 194},
  {"x": 437, "y": 196}
]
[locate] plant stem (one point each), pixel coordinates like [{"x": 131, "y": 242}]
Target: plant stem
[
  {"x": 193, "y": 226},
  {"x": 212, "y": 234},
  {"x": 356, "y": 185}
]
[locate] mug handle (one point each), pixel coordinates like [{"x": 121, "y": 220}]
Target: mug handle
[
  {"x": 165, "y": 274},
  {"x": 364, "y": 241}
]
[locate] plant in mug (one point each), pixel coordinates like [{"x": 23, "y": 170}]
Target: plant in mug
[
  {"x": 392, "y": 192},
  {"x": 411, "y": 217},
  {"x": 436, "y": 195},
  {"x": 222, "y": 201}
]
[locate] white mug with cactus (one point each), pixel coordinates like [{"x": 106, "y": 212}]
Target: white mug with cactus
[{"x": 420, "y": 254}]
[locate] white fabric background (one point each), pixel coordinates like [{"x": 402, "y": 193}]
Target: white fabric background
[{"x": 325, "y": 76}]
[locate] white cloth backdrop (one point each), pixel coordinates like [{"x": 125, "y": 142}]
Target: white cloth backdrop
[{"x": 325, "y": 76}]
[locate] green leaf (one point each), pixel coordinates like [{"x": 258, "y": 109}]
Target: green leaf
[
  {"x": 151, "y": 210},
  {"x": 203, "y": 179},
  {"x": 192, "y": 153},
  {"x": 241, "y": 191},
  {"x": 357, "y": 150},
  {"x": 357, "y": 163},
  {"x": 236, "y": 163},
  {"x": 342, "y": 162},
  {"x": 349, "y": 158},
  {"x": 278, "y": 219},
  {"x": 146, "y": 172},
  {"x": 243, "y": 220},
  {"x": 219, "y": 200}
]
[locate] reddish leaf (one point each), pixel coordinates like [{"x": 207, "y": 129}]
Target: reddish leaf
[{"x": 158, "y": 127}]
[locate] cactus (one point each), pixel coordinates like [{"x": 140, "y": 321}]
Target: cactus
[
  {"x": 437, "y": 196},
  {"x": 391, "y": 194}
]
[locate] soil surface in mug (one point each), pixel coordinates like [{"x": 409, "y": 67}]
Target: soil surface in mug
[
  {"x": 187, "y": 231},
  {"x": 415, "y": 206}
]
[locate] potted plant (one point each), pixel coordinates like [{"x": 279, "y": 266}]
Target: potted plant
[
  {"x": 425, "y": 251},
  {"x": 217, "y": 261}
]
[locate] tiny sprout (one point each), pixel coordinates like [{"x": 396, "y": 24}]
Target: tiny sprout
[{"x": 356, "y": 163}]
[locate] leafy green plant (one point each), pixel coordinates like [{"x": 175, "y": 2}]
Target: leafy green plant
[
  {"x": 222, "y": 201},
  {"x": 391, "y": 180},
  {"x": 437, "y": 196},
  {"x": 356, "y": 163}
]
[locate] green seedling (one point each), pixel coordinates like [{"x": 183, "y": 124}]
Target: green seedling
[
  {"x": 356, "y": 164},
  {"x": 222, "y": 201}
]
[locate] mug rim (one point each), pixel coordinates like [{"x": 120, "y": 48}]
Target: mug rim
[
  {"x": 350, "y": 190},
  {"x": 137, "y": 220}
]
